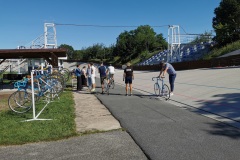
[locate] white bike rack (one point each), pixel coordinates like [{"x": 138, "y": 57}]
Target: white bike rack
[{"x": 35, "y": 117}]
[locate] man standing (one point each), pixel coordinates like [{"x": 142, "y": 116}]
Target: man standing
[
  {"x": 78, "y": 75},
  {"x": 102, "y": 70},
  {"x": 128, "y": 75},
  {"x": 89, "y": 74},
  {"x": 93, "y": 75},
  {"x": 167, "y": 67}
]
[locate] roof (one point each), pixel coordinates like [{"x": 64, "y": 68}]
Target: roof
[
  {"x": 51, "y": 55},
  {"x": 31, "y": 53}
]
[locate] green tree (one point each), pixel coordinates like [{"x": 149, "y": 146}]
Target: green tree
[
  {"x": 143, "y": 39},
  {"x": 205, "y": 37},
  {"x": 226, "y": 23},
  {"x": 70, "y": 51}
]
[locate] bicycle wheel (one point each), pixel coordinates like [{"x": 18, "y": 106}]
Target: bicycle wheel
[
  {"x": 106, "y": 86},
  {"x": 65, "y": 72},
  {"x": 20, "y": 101},
  {"x": 112, "y": 84},
  {"x": 165, "y": 92},
  {"x": 156, "y": 89}
]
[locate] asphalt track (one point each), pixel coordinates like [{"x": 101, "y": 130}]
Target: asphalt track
[{"x": 190, "y": 126}]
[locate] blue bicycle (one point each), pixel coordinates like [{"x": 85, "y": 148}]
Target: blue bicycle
[{"x": 161, "y": 89}]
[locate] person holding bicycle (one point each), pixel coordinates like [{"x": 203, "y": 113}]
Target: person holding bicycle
[
  {"x": 103, "y": 75},
  {"x": 110, "y": 72},
  {"x": 167, "y": 67}
]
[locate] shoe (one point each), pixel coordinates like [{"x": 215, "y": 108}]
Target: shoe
[
  {"x": 130, "y": 94},
  {"x": 93, "y": 90},
  {"x": 102, "y": 92},
  {"x": 126, "y": 94},
  {"x": 171, "y": 94}
]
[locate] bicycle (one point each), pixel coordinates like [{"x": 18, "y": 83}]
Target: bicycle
[
  {"x": 108, "y": 84},
  {"x": 161, "y": 90},
  {"x": 44, "y": 86}
]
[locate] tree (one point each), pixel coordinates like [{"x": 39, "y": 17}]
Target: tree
[
  {"x": 226, "y": 23},
  {"x": 70, "y": 50},
  {"x": 143, "y": 39}
]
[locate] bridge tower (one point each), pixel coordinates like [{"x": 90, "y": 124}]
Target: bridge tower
[
  {"x": 50, "y": 37},
  {"x": 174, "y": 43}
]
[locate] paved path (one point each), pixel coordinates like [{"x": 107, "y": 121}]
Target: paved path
[
  {"x": 166, "y": 131},
  {"x": 215, "y": 91}
]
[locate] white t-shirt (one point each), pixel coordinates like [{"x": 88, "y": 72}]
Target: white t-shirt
[
  {"x": 111, "y": 69},
  {"x": 93, "y": 71}
]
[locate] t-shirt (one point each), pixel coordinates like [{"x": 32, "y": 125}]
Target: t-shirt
[
  {"x": 93, "y": 71},
  {"x": 111, "y": 69},
  {"x": 102, "y": 71},
  {"x": 89, "y": 72},
  {"x": 170, "y": 70},
  {"x": 128, "y": 71}
]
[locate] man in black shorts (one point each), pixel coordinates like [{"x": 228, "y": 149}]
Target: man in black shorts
[
  {"x": 102, "y": 70},
  {"x": 128, "y": 75}
]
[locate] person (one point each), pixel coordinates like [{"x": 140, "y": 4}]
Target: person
[
  {"x": 128, "y": 76},
  {"x": 93, "y": 76},
  {"x": 167, "y": 67},
  {"x": 103, "y": 75},
  {"x": 110, "y": 72},
  {"x": 78, "y": 75},
  {"x": 83, "y": 76},
  {"x": 89, "y": 75}
]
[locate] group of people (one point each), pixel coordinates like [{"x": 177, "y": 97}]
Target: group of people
[{"x": 86, "y": 76}]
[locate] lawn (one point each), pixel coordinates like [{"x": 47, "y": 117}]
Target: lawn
[{"x": 15, "y": 130}]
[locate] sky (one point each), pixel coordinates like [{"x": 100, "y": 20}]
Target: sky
[{"x": 22, "y": 21}]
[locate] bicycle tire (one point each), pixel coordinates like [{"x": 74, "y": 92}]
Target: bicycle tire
[
  {"x": 66, "y": 73},
  {"x": 112, "y": 84},
  {"x": 106, "y": 86},
  {"x": 165, "y": 92},
  {"x": 20, "y": 101},
  {"x": 157, "y": 89}
]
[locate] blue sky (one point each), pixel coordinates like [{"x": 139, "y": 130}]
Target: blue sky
[{"x": 23, "y": 20}]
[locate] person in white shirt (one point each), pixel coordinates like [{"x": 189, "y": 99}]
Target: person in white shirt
[
  {"x": 110, "y": 72},
  {"x": 93, "y": 76}
]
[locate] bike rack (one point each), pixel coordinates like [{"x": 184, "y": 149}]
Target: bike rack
[{"x": 35, "y": 117}]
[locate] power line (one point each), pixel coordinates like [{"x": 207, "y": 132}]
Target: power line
[{"x": 104, "y": 26}]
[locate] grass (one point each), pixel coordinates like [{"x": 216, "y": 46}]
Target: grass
[
  {"x": 13, "y": 129},
  {"x": 223, "y": 50}
]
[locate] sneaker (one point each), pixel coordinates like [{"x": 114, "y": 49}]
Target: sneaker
[
  {"x": 171, "y": 94},
  {"x": 130, "y": 94},
  {"x": 102, "y": 92},
  {"x": 126, "y": 94},
  {"x": 93, "y": 90}
]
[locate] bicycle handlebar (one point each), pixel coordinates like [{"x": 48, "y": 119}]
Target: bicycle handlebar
[{"x": 160, "y": 78}]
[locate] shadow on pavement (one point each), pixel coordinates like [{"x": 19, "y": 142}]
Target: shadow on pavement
[{"x": 226, "y": 105}]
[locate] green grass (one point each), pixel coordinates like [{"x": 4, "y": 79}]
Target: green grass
[
  {"x": 13, "y": 129},
  {"x": 223, "y": 50}
]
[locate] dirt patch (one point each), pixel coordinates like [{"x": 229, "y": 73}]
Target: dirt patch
[{"x": 4, "y": 101}]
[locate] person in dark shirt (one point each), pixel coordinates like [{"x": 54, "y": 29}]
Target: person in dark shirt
[
  {"x": 128, "y": 75},
  {"x": 102, "y": 70},
  {"x": 79, "y": 80}
]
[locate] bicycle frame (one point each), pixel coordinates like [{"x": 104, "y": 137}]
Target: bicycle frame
[{"x": 162, "y": 88}]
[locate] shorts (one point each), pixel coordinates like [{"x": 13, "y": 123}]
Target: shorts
[
  {"x": 93, "y": 79},
  {"x": 102, "y": 79},
  {"x": 110, "y": 75},
  {"x": 128, "y": 80}
]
